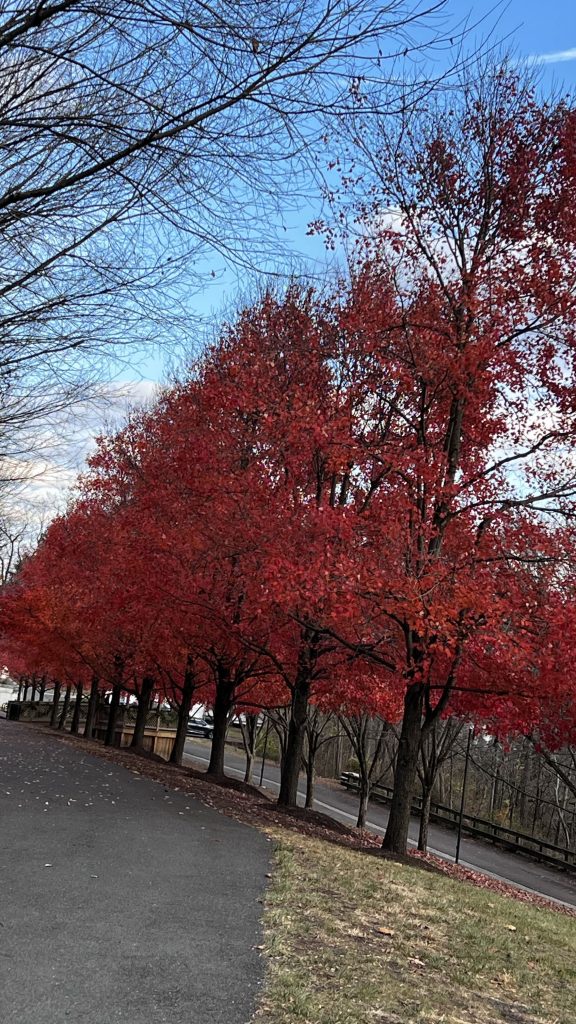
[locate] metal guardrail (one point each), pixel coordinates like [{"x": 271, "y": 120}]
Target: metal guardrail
[{"x": 520, "y": 842}]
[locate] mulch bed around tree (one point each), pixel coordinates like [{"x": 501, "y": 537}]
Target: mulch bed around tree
[{"x": 253, "y": 807}]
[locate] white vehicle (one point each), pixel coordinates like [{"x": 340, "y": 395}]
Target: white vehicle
[
  {"x": 201, "y": 711},
  {"x": 239, "y": 718}
]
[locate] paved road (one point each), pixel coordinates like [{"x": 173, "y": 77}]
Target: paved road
[
  {"x": 119, "y": 900},
  {"x": 340, "y": 804}
]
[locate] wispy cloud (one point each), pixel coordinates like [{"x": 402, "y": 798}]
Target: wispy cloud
[
  {"x": 552, "y": 58},
  {"x": 37, "y": 483}
]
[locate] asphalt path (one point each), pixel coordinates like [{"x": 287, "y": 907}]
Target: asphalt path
[
  {"x": 337, "y": 802},
  {"x": 120, "y": 900}
]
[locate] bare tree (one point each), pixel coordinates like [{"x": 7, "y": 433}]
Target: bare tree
[
  {"x": 319, "y": 731},
  {"x": 279, "y": 720},
  {"x": 369, "y": 738},
  {"x": 11, "y": 548},
  {"x": 139, "y": 139},
  {"x": 562, "y": 763},
  {"x": 435, "y": 748},
  {"x": 251, "y": 725}
]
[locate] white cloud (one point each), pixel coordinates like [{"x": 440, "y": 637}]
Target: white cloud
[
  {"x": 136, "y": 392},
  {"x": 38, "y": 482},
  {"x": 553, "y": 58}
]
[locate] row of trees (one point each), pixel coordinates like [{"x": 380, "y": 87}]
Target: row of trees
[
  {"x": 519, "y": 783},
  {"x": 361, "y": 500}
]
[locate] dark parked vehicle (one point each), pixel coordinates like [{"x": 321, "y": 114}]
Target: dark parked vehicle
[{"x": 200, "y": 727}]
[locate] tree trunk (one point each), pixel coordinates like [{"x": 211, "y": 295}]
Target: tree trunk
[
  {"x": 65, "y": 706},
  {"x": 20, "y": 690},
  {"x": 91, "y": 710},
  {"x": 309, "y": 780},
  {"x": 288, "y": 796},
  {"x": 424, "y": 819},
  {"x": 441, "y": 787},
  {"x": 363, "y": 805},
  {"x": 75, "y": 727},
  {"x": 222, "y": 708},
  {"x": 280, "y": 727},
  {"x": 249, "y": 767},
  {"x": 492, "y": 806},
  {"x": 523, "y": 795},
  {"x": 42, "y": 688},
  {"x": 55, "y": 703},
  {"x": 112, "y": 716},
  {"x": 537, "y": 798},
  {"x": 177, "y": 752},
  {"x": 249, "y": 736},
  {"x": 396, "y": 838},
  {"x": 144, "y": 698},
  {"x": 26, "y": 687}
]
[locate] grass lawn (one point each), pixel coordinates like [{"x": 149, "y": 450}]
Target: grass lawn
[{"x": 355, "y": 939}]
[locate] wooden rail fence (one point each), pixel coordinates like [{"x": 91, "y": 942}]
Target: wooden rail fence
[{"x": 511, "y": 839}]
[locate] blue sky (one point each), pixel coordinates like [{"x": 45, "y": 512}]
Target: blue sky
[{"x": 544, "y": 28}]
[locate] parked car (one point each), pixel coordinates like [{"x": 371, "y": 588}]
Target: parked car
[{"x": 200, "y": 727}]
